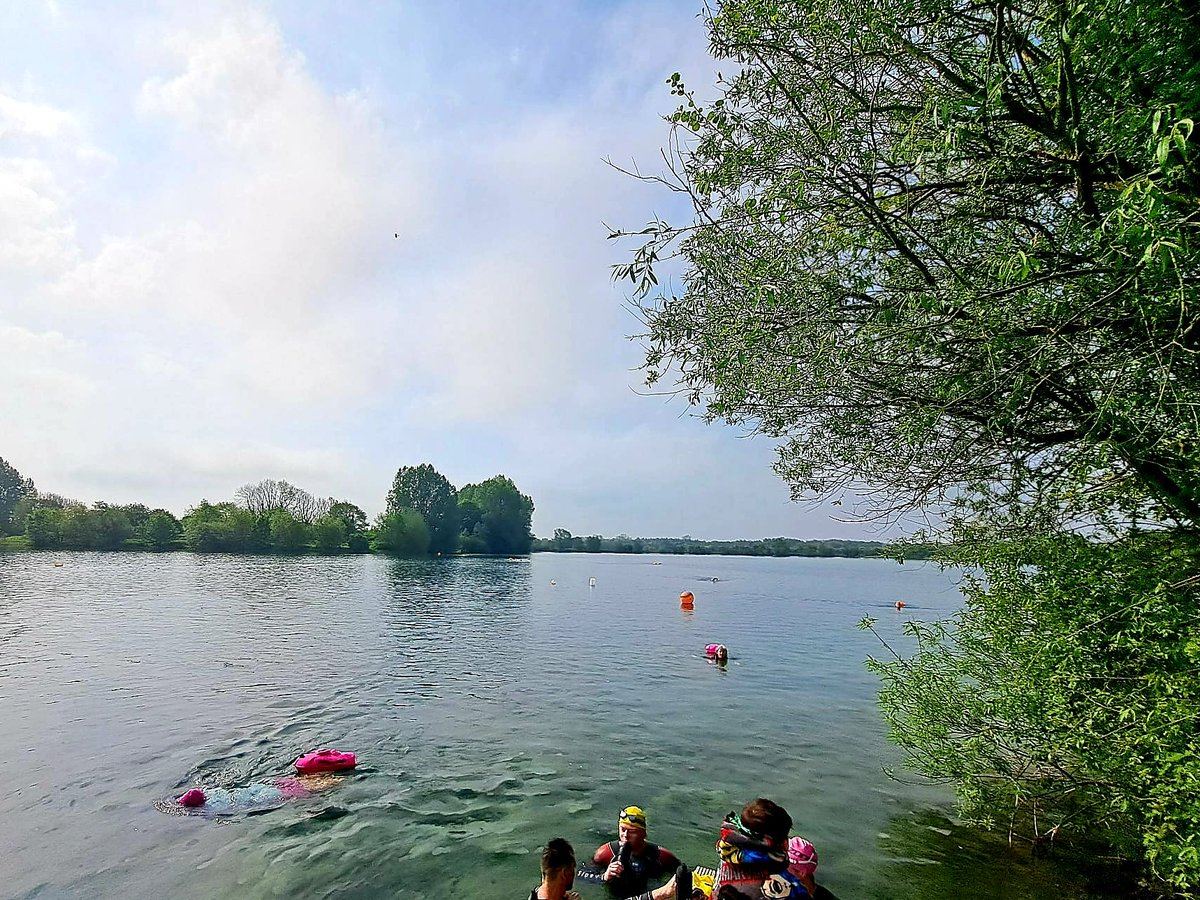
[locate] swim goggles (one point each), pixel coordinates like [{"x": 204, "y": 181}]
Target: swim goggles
[{"x": 633, "y": 816}]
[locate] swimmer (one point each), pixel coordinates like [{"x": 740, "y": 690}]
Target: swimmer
[
  {"x": 630, "y": 862},
  {"x": 256, "y": 797},
  {"x": 558, "y": 872},
  {"x": 717, "y": 652}
]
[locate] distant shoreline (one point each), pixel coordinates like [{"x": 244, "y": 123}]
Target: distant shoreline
[{"x": 650, "y": 547}]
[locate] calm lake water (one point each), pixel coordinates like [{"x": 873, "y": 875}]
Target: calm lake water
[{"x": 494, "y": 704}]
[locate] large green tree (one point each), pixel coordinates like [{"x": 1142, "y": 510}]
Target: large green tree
[
  {"x": 12, "y": 489},
  {"x": 352, "y": 517},
  {"x": 942, "y": 246},
  {"x": 429, "y": 492},
  {"x": 504, "y": 515},
  {"x": 946, "y": 254},
  {"x": 160, "y": 531}
]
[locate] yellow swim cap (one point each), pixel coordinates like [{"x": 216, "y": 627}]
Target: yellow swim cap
[{"x": 633, "y": 816}]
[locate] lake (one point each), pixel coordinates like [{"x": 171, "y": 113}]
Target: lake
[{"x": 493, "y": 703}]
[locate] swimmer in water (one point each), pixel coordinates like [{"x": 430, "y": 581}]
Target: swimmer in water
[{"x": 717, "y": 652}]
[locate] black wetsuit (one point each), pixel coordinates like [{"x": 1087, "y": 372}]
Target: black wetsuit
[{"x": 653, "y": 862}]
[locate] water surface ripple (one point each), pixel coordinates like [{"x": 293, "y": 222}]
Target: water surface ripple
[{"x": 494, "y": 704}]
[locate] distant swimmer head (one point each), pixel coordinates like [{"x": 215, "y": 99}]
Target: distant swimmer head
[
  {"x": 802, "y": 857},
  {"x": 194, "y": 797},
  {"x": 717, "y": 651},
  {"x": 687, "y": 599},
  {"x": 900, "y": 604}
]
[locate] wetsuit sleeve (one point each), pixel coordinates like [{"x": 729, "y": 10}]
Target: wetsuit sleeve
[
  {"x": 667, "y": 861},
  {"x": 603, "y": 855}
]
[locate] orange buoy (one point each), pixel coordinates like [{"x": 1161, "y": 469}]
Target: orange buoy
[
  {"x": 686, "y": 600},
  {"x": 900, "y": 604}
]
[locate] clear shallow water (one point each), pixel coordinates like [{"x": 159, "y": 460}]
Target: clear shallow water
[{"x": 491, "y": 711}]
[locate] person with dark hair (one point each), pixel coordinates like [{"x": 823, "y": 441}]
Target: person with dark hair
[
  {"x": 754, "y": 855},
  {"x": 630, "y": 862},
  {"x": 558, "y": 872}
]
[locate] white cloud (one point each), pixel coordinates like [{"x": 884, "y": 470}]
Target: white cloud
[
  {"x": 47, "y": 390},
  {"x": 35, "y": 230},
  {"x": 23, "y": 119},
  {"x": 257, "y": 245},
  {"x": 212, "y": 227},
  {"x": 21, "y": 346}
]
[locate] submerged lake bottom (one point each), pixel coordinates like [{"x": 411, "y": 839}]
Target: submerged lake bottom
[{"x": 493, "y": 704}]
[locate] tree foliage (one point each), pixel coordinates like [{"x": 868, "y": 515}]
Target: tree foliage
[
  {"x": 267, "y": 496},
  {"x": 1065, "y": 691},
  {"x": 947, "y": 254},
  {"x": 43, "y": 527},
  {"x": 330, "y": 534},
  {"x": 288, "y": 534},
  {"x": 429, "y": 492},
  {"x": 402, "y": 532},
  {"x": 564, "y": 542},
  {"x": 353, "y": 518},
  {"x": 225, "y": 528},
  {"x": 275, "y": 516},
  {"x": 504, "y": 518},
  {"x": 13, "y": 488},
  {"x": 160, "y": 531},
  {"x": 939, "y": 246}
]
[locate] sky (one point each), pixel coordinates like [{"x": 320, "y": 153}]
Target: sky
[{"x": 319, "y": 241}]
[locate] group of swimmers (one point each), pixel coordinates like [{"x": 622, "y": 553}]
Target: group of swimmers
[{"x": 757, "y": 859}]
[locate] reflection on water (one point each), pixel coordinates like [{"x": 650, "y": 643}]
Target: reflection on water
[{"x": 493, "y": 704}]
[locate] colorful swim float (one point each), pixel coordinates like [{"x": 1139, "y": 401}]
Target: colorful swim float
[{"x": 325, "y": 761}]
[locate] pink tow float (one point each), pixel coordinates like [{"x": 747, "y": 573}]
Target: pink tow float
[
  {"x": 325, "y": 761},
  {"x": 194, "y": 797}
]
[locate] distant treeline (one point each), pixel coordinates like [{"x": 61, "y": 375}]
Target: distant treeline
[
  {"x": 424, "y": 514},
  {"x": 564, "y": 542}
]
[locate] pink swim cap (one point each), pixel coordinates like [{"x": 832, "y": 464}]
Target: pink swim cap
[
  {"x": 802, "y": 856},
  {"x": 712, "y": 649},
  {"x": 194, "y": 797}
]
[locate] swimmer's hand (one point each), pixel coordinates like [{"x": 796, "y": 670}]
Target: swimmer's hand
[
  {"x": 572, "y": 895},
  {"x": 614, "y": 870}
]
